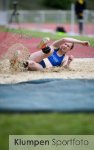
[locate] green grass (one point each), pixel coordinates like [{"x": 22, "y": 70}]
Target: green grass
[
  {"x": 45, "y": 124},
  {"x": 53, "y": 36},
  {"x": 51, "y": 123}
]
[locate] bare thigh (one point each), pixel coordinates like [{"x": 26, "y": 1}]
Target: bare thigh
[
  {"x": 33, "y": 66},
  {"x": 39, "y": 56}
]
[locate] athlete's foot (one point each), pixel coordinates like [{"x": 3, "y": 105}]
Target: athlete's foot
[
  {"x": 43, "y": 43},
  {"x": 25, "y": 64}
]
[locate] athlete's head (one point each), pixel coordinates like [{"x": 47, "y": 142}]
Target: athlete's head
[{"x": 66, "y": 47}]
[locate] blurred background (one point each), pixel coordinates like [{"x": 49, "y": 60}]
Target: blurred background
[{"x": 47, "y": 16}]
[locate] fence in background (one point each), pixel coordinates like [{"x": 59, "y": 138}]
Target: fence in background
[{"x": 58, "y": 17}]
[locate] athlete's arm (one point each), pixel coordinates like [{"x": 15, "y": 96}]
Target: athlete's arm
[
  {"x": 67, "y": 60},
  {"x": 70, "y": 40}
]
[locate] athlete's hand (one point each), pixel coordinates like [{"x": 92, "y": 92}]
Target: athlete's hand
[
  {"x": 85, "y": 43},
  {"x": 71, "y": 57}
]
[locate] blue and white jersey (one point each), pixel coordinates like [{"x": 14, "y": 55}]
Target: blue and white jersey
[{"x": 56, "y": 60}]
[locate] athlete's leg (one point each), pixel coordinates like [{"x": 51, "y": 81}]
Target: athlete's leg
[
  {"x": 39, "y": 56},
  {"x": 33, "y": 62},
  {"x": 33, "y": 66},
  {"x": 43, "y": 53}
]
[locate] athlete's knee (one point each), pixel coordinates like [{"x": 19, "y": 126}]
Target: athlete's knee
[
  {"x": 46, "y": 49},
  {"x": 31, "y": 63}
]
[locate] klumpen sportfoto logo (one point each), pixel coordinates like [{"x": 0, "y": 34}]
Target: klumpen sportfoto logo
[{"x": 18, "y": 142}]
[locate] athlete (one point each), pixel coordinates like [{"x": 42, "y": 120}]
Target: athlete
[{"x": 53, "y": 55}]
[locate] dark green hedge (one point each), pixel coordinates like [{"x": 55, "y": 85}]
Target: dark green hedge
[
  {"x": 47, "y": 4},
  {"x": 58, "y": 4}
]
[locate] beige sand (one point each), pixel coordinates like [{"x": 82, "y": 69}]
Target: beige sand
[{"x": 81, "y": 68}]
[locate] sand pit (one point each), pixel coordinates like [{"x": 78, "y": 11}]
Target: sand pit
[{"x": 81, "y": 68}]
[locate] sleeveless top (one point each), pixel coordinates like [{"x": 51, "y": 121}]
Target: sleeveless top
[{"x": 54, "y": 59}]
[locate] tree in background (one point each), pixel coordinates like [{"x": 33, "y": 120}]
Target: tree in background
[
  {"x": 47, "y": 4},
  {"x": 58, "y": 4}
]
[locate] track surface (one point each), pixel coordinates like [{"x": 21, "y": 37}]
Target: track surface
[{"x": 8, "y": 39}]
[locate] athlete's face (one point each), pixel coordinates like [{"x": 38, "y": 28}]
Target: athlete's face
[{"x": 66, "y": 47}]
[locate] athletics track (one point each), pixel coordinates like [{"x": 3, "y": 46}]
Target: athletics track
[{"x": 8, "y": 39}]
